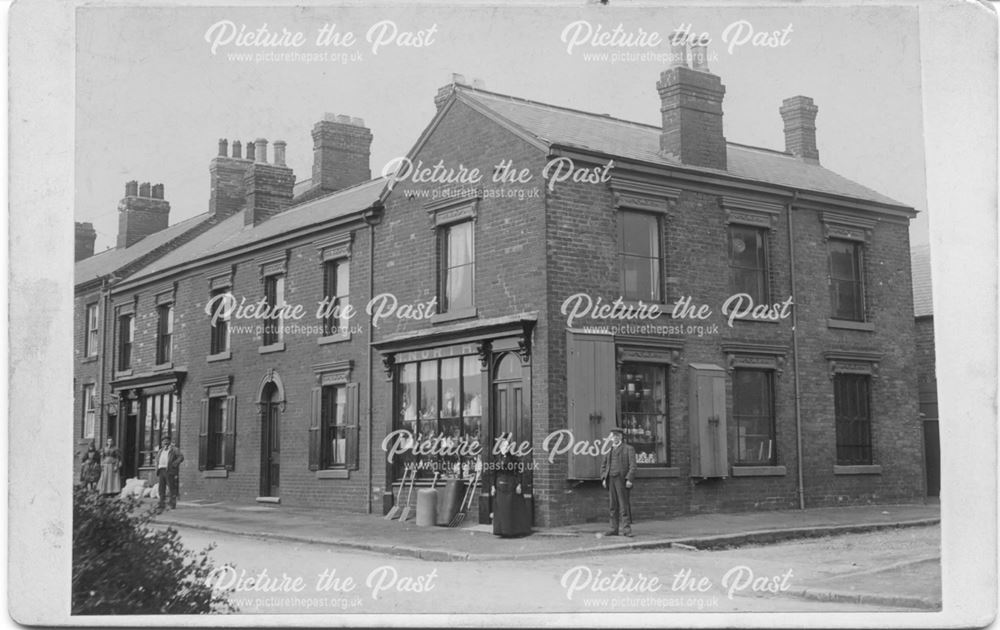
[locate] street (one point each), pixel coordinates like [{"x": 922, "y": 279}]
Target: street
[{"x": 271, "y": 576}]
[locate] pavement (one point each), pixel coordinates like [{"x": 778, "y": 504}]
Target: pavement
[
  {"x": 475, "y": 542},
  {"x": 472, "y": 541}
]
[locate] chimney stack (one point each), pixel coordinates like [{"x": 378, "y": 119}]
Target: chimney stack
[
  {"x": 227, "y": 173},
  {"x": 799, "y": 115},
  {"x": 268, "y": 186},
  {"x": 85, "y": 237},
  {"x": 691, "y": 107},
  {"x": 141, "y": 213},
  {"x": 341, "y": 153}
]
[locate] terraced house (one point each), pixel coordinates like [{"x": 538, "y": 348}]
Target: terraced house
[{"x": 585, "y": 282}]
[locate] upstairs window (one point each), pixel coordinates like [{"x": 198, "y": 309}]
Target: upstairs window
[
  {"x": 336, "y": 287},
  {"x": 274, "y": 296},
  {"x": 164, "y": 332},
  {"x": 847, "y": 280},
  {"x": 220, "y": 329},
  {"x": 89, "y": 413},
  {"x": 126, "y": 336},
  {"x": 90, "y": 339},
  {"x": 639, "y": 256},
  {"x": 748, "y": 261},
  {"x": 458, "y": 267}
]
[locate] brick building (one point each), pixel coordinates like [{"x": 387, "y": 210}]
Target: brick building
[
  {"x": 923, "y": 313},
  {"x": 479, "y": 322}
]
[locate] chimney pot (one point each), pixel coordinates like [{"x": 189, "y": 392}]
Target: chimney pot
[
  {"x": 357, "y": 122},
  {"x": 799, "y": 116},
  {"x": 144, "y": 189},
  {"x": 250, "y": 150},
  {"x": 237, "y": 150},
  {"x": 132, "y": 188},
  {"x": 157, "y": 191},
  {"x": 279, "y": 152},
  {"x": 699, "y": 57},
  {"x": 260, "y": 151},
  {"x": 142, "y": 214},
  {"x": 691, "y": 110},
  {"x": 678, "y": 54},
  {"x": 223, "y": 147}
]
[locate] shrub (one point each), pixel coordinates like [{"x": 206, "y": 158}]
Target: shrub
[{"x": 121, "y": 565}]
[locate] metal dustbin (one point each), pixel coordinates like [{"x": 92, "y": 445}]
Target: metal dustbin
[
  {"x": 448, "y": 500},
  {"x": 426, "y": 507}
]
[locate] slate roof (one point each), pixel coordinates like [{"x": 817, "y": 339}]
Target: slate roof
[
  {"x": 920, "y": 267},
  {"x": 232, "y": 234},
  {"x": 551, "y": 124},
  {"x": 115, "y": 259}
]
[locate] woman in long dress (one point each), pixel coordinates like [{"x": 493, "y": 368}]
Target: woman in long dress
[
  {"x": 90, "y": 471},
  {"x": 111, "y": 462},
  {"x": 511, "y": 512}
]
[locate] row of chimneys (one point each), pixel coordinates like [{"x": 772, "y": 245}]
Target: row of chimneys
[
  {"x": 690, "y": 105},
  {"x": 249, "y": 184}
]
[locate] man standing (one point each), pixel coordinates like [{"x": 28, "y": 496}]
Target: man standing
[
  {"x": 617, "y": 474},
  {"x": 168, "y": 465}
]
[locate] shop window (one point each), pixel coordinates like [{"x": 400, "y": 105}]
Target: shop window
[
  {"x": 753, "y": 413},
  {"x": 852, "y": 409},
  {"x": 274, "y": 297},
  {"x": 89, "y": 412},
  {"x": 126, "y": 336},
  {"x": 336, "y": 286},
  {"x": 220, "y": 327},
  {"x": 847, "y": 279},
  {"x": 748, "y": 261},
  {"x": 441, "y": 398},
  {"x": 639, "y": 256},
  {"x": 458, "y": 267},
  {"x": 164, "y": 332},
  {"x": 91, "y": 339},
  {"x": 159, "y": 420},
  {"x": 644, "y": 416}
]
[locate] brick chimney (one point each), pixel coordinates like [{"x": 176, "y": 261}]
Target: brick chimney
[
  {"x": 691, "y": 106},
  {"x": 85, "y": 237},
  {"x": 142, "y": 212},
  {"x": 228, "y": 194},
  {"x": 341, "y": 153},
  {"x": 268, "y": 186},
  {"x": 799, "y": 115}
]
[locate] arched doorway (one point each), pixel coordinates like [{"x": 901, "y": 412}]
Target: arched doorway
[{"x": 271, "y": 402}]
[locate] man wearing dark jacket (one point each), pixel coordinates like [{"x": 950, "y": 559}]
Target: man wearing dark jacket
[
  {"x": 617, "y": 474},
  {"x": 168, "y": 467}
]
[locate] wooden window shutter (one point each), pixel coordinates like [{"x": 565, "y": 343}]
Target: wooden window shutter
[
  {"x": 315, "y": 430},
  {"x": 590, "y": 385},
  {"x": 230, "y": 433},
  {"x": 203, "y": 436},
  {"x": 352, "y": 427}
]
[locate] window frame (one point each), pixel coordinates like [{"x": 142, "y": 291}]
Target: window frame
[
  {"x": 841, "y": 418},
  {"x": 763, "y": 271},
  {"x": 273, "y": 332},
  {"x": 126, "y": 339},
  {"x": 623, "y": 392},
  {"x": 91, "y": 335},
  {"x": 445, "y": 305},
  {"x": 858, "y": 282},
  {"x": 338, "y": 326},
  {"x": 328, "y": 459},
  {"x": 89, "y": 426},
  {"x": 164, "y": 333},
  {"x": 738, "y": 417},
  {"x": 659, "y": 289},
  {"x": 218, "y": 412},
  {"x": 221, "y": 328}
]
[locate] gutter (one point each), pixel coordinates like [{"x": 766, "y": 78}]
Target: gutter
[{"x": 795, "y": 355}]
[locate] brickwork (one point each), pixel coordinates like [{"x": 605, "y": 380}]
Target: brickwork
[{"x": 138, "y": 217}]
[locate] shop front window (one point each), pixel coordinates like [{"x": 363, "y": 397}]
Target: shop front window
[
  {"x": 643, "y": 412},
  {"x": 440, "y": 398}
]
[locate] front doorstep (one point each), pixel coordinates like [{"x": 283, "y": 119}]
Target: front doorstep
[{"x": 275, "y": 500}]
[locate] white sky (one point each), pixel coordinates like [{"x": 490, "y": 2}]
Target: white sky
[{"x": 152, "y": 100}]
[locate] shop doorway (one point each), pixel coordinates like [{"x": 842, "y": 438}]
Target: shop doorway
[
  {"x": 508, "y": 399},
  {"x": 130, "y": 447},
  {"x": 270, "y": 448}
]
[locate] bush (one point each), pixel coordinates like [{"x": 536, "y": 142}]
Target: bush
[{"x": 123, "y": 566}]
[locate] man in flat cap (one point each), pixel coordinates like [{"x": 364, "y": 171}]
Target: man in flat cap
[{"x": 617, "y": 474}]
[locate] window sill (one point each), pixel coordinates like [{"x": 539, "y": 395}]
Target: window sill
[
  {"x": 274, "y": 347},
  {"x": 333, "y": 339},
  {"x": 654, "y": 473},
  {"x": 89, "y": 359},
  {"x": 665, "y": 310},
  {"x": 754, "y": 320},
  {"x": 871, "y": 469},
  {"x": 465, "y": 313},
  {"x": 123, "y": 373},
  {"x": 220, "y": 356},
  {"x": 847, "y": 324},
  {"x": 219, "y": 473},
  {"x": 333, "y": 473},
  {"x": 758, "y": 471},
  {"x": 159, "y": 367},
  {"x": 268, "y": 500}
]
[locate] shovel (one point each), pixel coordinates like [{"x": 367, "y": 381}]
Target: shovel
[
  {"x": 406, "y": 510},
  {"x": 470, "y": 494},
  {"x": 397, "y": 508}
]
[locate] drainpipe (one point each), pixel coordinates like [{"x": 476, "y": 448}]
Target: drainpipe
[
  {"x": 106, "y": 284},
  {"x": 371, "y": 218},
  {"x": 795, "y": 355}
]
